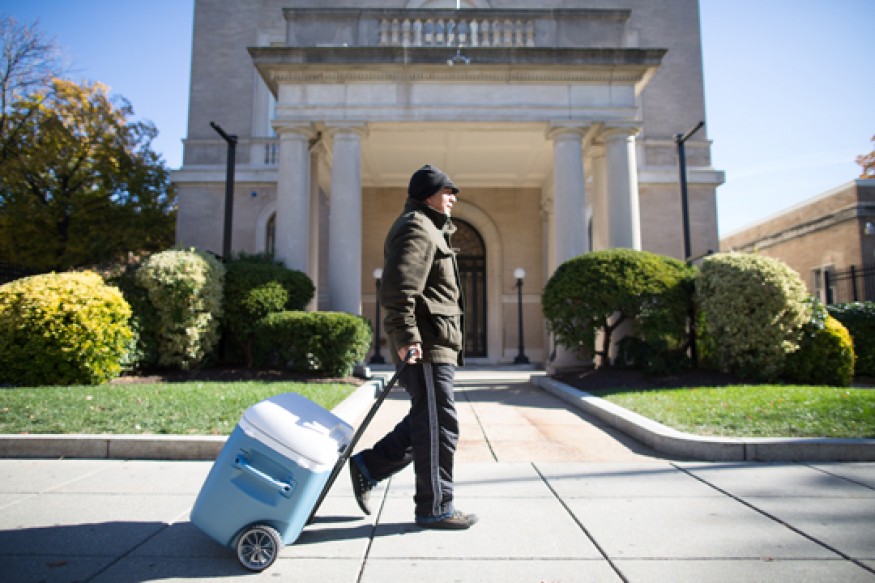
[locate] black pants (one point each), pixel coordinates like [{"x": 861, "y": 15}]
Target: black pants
[{"x": 427, "y": 436}]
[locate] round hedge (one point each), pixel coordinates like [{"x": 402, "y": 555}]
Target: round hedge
[
  {"x": 62, "y": 329},
  {"x": 825, "y": 356},
  {"x": 754, "y": 309},
  {"x": 601, "y": 290}
]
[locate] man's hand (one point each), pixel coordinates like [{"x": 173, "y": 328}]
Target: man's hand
[{"x": 413, "y": 350}]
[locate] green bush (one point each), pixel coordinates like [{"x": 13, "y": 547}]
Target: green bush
[
  {"x": 62, "y": 329},
  {"x": 602, "y": 290},
  {"x": 859, "y": 319},
  {"x": 825, "y": 355},
  {"x": 255, "y": 288},
  {"x": 185, "y": 287},
  {"x": 330, "y": 343},
  {"x": 754, "y": 309},
  {"x": 142, "y": 352}
]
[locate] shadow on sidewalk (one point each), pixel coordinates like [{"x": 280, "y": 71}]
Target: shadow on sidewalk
[{"x": 81, "y": 552}]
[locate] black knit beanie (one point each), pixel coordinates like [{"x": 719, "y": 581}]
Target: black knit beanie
[{"x": 427, "y": 181}]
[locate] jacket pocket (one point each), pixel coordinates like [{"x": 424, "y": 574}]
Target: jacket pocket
[{"x": 446, "y": 323}]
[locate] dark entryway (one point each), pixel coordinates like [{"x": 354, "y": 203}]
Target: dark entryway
[{"x": 471, "y": 256}]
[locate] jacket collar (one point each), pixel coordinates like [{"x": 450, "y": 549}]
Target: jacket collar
[{"x": 440, "y": 220}]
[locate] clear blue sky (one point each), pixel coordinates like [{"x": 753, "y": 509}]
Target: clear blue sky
[{"x": 790, "y": 93}]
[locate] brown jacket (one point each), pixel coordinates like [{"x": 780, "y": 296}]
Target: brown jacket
[{"x": 420, "y": 288}]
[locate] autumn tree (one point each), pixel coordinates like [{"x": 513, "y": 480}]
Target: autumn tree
[{"x": 79, "y": 183}]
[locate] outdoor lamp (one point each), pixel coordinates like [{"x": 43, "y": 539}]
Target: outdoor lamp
[
  {"x": 519, "y": 273},
  {"x": 377, "y": 358}
]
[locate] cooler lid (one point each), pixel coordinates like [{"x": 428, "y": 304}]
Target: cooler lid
[{"x": 298, "y": 429}]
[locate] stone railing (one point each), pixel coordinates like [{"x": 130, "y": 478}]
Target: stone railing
[
  {"x": 495, "y": 28},
  {"x": 457, "y": 32}
]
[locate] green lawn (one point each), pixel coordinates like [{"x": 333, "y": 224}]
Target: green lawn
[
  {"x": 756, "y": 410},
  {"x": 195, "y": 408}
]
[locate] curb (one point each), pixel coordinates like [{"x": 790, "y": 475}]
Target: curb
[
  {"x": 153, "y": 447},
  {"x": 689, "y": 446}
]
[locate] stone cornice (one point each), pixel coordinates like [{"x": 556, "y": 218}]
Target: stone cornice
[{"x": 488, "y": 65}]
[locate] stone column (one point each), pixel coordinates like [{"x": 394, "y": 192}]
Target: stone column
[
  {"x": 292, "y": 245},
  {"x": 596, "y": 165},
  {"x": 624, "y": 221},
  {"x": 569, "y": 235},
  {"x": 345, "y": 219}
]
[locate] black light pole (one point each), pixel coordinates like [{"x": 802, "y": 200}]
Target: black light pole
[
  {"x": 682, "y": 160},
  {"x": 229, "y": 189},
  {"x": 519, "y": 273},
  {"x": 377, "y": 358}
]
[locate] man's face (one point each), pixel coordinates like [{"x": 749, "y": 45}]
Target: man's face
[{"x": 442, "y": 201}]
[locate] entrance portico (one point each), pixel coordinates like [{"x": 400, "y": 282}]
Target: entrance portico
[{"x": 499, "y": 130}]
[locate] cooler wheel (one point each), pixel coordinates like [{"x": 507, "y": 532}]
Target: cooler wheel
[{"x": 258, "y": 547}]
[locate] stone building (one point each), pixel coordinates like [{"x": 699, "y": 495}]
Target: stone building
[
  {"x": 829, "y": 240},
  {"x": 556, "y": 118}
]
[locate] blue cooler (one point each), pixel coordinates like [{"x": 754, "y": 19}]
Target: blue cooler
[{"x": 270, "y": 474}]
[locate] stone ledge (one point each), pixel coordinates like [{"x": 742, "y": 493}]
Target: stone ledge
[{"x": 676, "y": 443}]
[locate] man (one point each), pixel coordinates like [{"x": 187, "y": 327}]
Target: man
[{"x": 421, "y": 296}]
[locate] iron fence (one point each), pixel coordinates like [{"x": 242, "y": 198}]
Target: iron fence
[{"x": 856, "y": 284}]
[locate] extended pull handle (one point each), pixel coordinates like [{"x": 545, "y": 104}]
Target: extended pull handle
[{"x": 241, "y": 462}]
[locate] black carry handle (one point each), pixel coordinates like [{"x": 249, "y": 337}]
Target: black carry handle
[{"x": 347, "y": 452}]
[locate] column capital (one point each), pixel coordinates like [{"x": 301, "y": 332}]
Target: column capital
[
  {"x": 567, "y": 130},
  {"x": 620, "y": 130},
  {"x": 293, "y": 128},
  {"x": 358, "y": 128}
]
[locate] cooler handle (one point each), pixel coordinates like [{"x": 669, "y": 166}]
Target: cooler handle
[{"x": 241, "y": 462}]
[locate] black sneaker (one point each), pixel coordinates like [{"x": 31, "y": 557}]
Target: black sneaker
[
  {"x": 361, "y": 487},
  {"x": 456, "y": 521}
]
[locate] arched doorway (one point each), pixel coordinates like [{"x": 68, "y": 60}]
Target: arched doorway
[{"x": 471, "y": 257}]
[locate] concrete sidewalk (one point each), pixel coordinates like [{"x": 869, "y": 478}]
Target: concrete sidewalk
[{"x": 561, "y": 496}]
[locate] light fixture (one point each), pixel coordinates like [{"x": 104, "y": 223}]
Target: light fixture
[
  {"x": 519, "y": 273},
  {"x": 869, "y": 228},
  {"x": 377, "y": 358},
  {"x": 458, "y": 58}
]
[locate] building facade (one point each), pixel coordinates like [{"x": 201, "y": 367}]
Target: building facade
[
  {"x": 556, "y": 118},
  {"x": 829, "y": 240}
]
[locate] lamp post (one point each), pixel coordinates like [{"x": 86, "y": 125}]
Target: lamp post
[
  {"x": 519, "y": 273},
  {"x": 229, "y": 189},
  {"x": 377, "y": 358},
  {"x": 682, "y": 170}
]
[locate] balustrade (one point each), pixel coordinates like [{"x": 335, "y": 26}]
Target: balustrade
[{"x": 457, "y": 32}]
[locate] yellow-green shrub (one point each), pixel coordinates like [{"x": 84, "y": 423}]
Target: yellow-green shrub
[
  {"x": 825, "y": 355},
  {"x": 185, "y": 287},
  {"x": 62, "y": 329}
]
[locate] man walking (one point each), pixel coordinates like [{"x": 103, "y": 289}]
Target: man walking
[{"x": 423, "y": 303}]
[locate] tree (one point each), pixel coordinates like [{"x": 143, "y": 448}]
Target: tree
[
  {"x": 80, "y": 184},
  {"x": 600, "y": 291},
  {"x": 867, "y": 161},
  {"x": 28, "y": 62}
]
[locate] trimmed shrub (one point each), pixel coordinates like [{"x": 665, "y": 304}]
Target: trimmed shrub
[
  {"x": 859, "y": 319},
  {"x": 62, "y": 329},
  {"x": 185, "y": 287},
  {"x": 825, "y": 355},
  {"x": 255, "y": 288},
  {"x": 143, "y": 348},
  {"x": 754, "y": 309},
  {"x": 329, "y": 343},
  {"x": 600, "y": 291}
]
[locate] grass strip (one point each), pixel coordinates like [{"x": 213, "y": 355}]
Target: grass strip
[
  {"x": 190, "y": 408},
  {"x": 755, "y": 410}
]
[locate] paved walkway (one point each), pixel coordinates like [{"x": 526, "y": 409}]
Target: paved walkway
[{"x": 560, "y": 499}]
